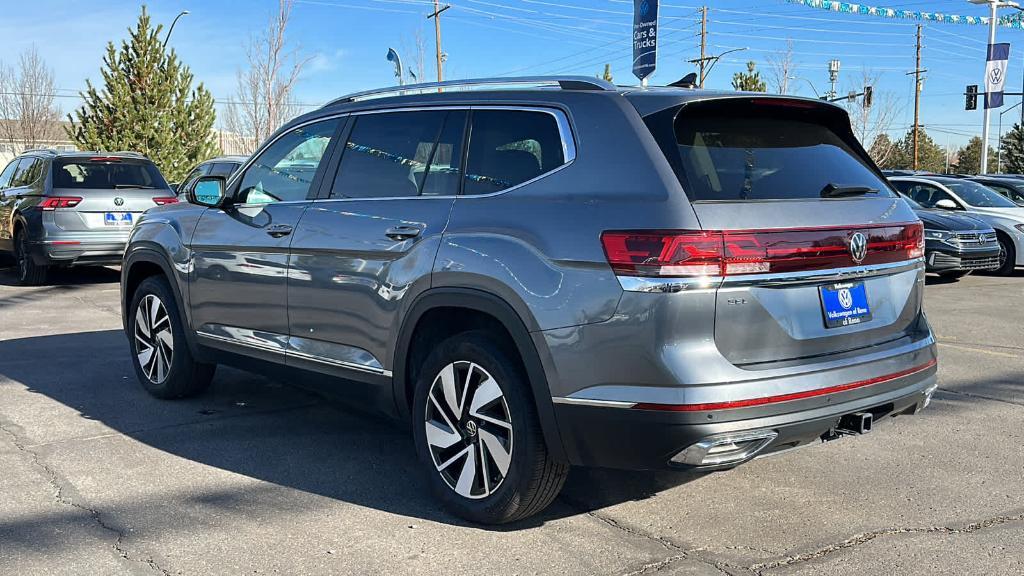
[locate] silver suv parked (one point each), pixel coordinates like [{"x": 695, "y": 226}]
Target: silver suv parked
[
  {"x": 74, "y": 208},
  {"x": 552, "y": 272}
]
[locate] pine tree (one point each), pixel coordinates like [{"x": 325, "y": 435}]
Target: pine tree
[
  {"x": 930, "y": 157},
  {"x": 969, "y": 161},
  {"x": 147, "y": 104},
  {"x": 749, "y": 81},
  {"x": 1013, "y": 150},
  {"x": 607, "y": 76}
]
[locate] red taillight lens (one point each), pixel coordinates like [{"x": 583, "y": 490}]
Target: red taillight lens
[
  {"x": 55, "y": 202},
  {"x": 714, "y": 253},
  {"x": 664, "y": 253},
  {"x": 160, "y": 201}
]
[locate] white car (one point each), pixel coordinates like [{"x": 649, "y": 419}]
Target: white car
[{"x": 972, "y": 198}]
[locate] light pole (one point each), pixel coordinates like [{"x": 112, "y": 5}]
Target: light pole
[
  {"x": 171, "y": 29},
  {"x": 994, "y": 6},
  {"x": 999, "y": 141},
  {"x": 714, "y": 60},
  {"x": 809, "y": 83}
]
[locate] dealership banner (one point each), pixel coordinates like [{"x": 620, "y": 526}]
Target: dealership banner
[
  {"x": 1013, "y": 21},
  {"x": 995, "y": 74}
]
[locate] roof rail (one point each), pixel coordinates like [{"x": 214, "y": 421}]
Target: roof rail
[
  {"x": 563, "y": 82},
  {"x": 39, "y": 150},
  {"x": 129, "y": 153}
]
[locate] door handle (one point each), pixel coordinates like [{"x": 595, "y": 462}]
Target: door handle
[
  {"x": 279, "y": 230},
  {"x": 402, "y": 232}
]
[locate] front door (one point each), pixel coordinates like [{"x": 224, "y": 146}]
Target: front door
[
  {"x": 239, "y": 284},
  {"x": 368, "y": 245}
]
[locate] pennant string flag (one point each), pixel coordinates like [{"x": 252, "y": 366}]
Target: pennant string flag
[{"x": 1013, "y": 21}]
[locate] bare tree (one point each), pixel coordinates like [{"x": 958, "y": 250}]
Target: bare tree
[
  {"x": 28, "y": 116},
  {"x": 416, "y": 48},
  {"x": 871, "y": 122},
  {"x": 781, "y": 68},
  {"x": 264, "y": 101}
]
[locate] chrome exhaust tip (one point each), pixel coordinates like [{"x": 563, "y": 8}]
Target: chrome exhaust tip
[{"x": 725, "y": 449}]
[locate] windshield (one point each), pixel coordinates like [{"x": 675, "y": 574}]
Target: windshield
[
  {"x": 978, "y": 195},
  {"x": 106, "y": 173},
  {"x": 748, "y": 150}
]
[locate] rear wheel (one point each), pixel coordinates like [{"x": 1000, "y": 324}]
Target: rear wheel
[
  {"x": 162, "y": 359},
  {"x": 954, "y": 274},
  {"x": 1007, "y": 256},
  {"x": 477, "y": 432},
  {"x": 29, "y": 273}
]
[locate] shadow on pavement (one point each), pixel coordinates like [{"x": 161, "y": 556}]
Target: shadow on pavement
[
  {"x": 70, "y": 277},
  {"x": 269, "y": 431}
]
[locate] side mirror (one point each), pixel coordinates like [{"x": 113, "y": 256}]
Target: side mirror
[
  {"x": 947, "y": 204},
  {"x": 210, "y": 191}
]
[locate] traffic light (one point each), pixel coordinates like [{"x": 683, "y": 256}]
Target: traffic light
[
  {"x": 972, "y": 97},
  {"x": 868, "y": 94}
]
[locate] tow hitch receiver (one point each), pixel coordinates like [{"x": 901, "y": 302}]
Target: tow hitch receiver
[{"x": 850, "y": 425}]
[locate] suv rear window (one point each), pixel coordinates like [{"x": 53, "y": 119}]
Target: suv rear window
[
  {"x": 106, "y": 173},
  {"x": 736, "y": 150}
]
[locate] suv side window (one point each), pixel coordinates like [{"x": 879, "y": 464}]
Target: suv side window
[
  {"x": 5, "y": 176},
  {"x": 284, "y": 172},
  {"x": 927, "y": 196},
  {"x": 509, "y": 147},
  {"x": 29, "y": 171},
  {"x": 402, "y": 154}
]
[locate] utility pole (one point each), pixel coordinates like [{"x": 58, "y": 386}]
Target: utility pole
[
  {"x": 917, "y": 93},
  {"x": 703, "y": 42},
  {"x": 436, "y": 15}
]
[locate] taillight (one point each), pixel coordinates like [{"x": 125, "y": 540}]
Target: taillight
[
  {"x": 54, "y": 202},
  {"x": 162, "y": 200},
  {"x": 728, "y": 253}
]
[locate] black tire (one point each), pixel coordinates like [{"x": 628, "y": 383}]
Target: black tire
[
  {"x": 28, "y": 272},
  {"x": 954, "y": 274},
  {"x": 1007, "y": 255},
  {"x": 533, "y": 479},
  {"x": 182, "y": 376}
]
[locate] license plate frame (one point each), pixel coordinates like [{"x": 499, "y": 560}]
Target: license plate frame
[
  {"x": 118, "y": 219},
  {"x": 844, "y": 304}
]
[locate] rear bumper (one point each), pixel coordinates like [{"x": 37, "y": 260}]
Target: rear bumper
[
  {"x": 620, "y": 435},
  {"x": 68, "y": 252}
]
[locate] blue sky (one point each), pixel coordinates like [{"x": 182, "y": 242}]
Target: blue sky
[{"x": 348, "y": 40}]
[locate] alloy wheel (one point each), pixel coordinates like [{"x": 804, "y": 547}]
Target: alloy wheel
[
  {"x": 1002, "y": 255},
  {"x": 21, "y": 256},
  {"x": 154, "y": 340},
  {"x": 469, "y": 429}
]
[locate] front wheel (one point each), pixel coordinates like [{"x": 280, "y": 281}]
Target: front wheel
[
  {"x": 477, "y": 432},
  {"x": 1007, "y": 257},
  {"x": 163, "y": 362}
]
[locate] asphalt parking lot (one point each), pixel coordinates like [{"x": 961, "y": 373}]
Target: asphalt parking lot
[{"x": 261, "y": 477}]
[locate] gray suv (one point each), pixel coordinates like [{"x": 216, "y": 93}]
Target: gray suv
[
  {"x": 551, "y": 272},
  {"x": 74, "y": 208}
]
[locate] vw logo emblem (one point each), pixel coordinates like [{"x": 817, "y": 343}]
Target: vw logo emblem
[
  {"x": 858, "y": 247},
  {"x": 845, "y": 299},
  {"x": 118, "y": 201}
]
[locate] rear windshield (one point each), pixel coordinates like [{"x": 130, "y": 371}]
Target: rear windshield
[
  {"x": 740, "y": 150},
  {"x": 113, "y": 173},
  {"x": 975, "y": 194}
]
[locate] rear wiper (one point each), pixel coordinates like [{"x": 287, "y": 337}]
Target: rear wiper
[
  {"x": 838, "y": 191},
  {"x": 124, "y": 186}
]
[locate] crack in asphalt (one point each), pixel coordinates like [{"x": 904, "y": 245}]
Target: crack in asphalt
[
  {"x": 866, "y": 537},
  {"x": 58, "y": 493}
]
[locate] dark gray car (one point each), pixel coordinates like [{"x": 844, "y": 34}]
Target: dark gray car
[
  {"x": 552, "y": 272},
  {"x": 74, "y": 208}
]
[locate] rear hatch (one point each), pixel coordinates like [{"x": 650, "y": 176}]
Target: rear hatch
[
  {"x": 818, "y": 255},
  {"x": 106, "y": 193}
]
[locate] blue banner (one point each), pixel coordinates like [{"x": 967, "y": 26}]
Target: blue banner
[{"x": 645, "y": 37}]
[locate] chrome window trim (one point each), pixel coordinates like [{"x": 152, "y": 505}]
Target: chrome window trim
[
  {"x": 565, "y": 133},
  {"x": 673, "y": 285},
  {"x": 300, "y": 355}
]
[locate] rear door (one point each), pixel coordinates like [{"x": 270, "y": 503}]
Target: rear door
[
  {"x": 7, "y": 202},
  {"x": 113, "y": 192},
  {"x": 239, "y": 280},
  {"x": 821, "y": 257},
  {"x": 368, "y": 245}
]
